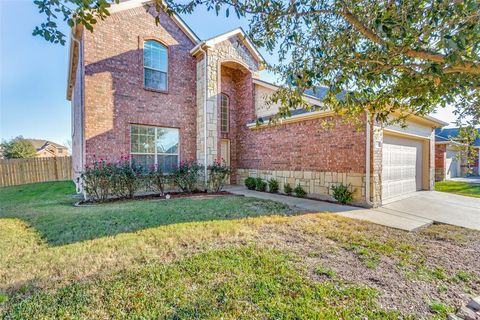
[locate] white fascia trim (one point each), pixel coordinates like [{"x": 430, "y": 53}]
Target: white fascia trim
[
  {"x": 140, "y": 3},
  {"x": 292, "y": 119},
  {"x": 403, "y": 133},
  {"x": 310, "y": 99}
]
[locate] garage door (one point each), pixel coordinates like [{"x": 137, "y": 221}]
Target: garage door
[
  {"x": 451, "y": 164},
  {"x": 402, "y": 166}
]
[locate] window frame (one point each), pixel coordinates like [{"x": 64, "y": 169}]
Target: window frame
[
  {"x": 167, "y": 73},
  {"x": 156, "y": 153},
  {"x": 222, "y": 95}
]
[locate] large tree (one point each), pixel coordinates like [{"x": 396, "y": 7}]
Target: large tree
[
  {"x": 18, "y": 148},
  {"x": 380, "y": 56}
]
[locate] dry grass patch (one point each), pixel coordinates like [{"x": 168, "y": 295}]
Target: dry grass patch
[{"x": 408, "y": 274}]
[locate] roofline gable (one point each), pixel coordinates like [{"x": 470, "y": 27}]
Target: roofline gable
[
  {"x": 77, "y": 32},
  {"x": 227, "y": 35},
  {"x": 130, "y": 4}
]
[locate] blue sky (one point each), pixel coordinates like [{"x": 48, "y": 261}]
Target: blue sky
[{"x": 33, "y": 72}]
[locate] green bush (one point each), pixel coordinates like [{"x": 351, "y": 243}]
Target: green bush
[
  {"x": 218, "y": 174},
  {"x": 273, "y": 185},
  {"x": 287, "y": 188},
  {"x": 97, "y": 180},
  {"x": 260, "y": 185},
  {"x": 299, "y": 191},
  {"x": 251, "y": 183},
  {"x": 157, "y": 180},
  {"x": 103, "y": 179},
  {"x": 343, "y": 193},
  {"x": 186, "y": 176},
  {"x": 126, "y": 178}
]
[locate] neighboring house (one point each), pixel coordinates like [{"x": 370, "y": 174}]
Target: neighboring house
[
  {"x": 448, "y": 163},
  {"x": 160, "y": 95},
  {"x": 47, "y": 149}
]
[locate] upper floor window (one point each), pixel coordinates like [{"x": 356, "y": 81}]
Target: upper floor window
[
  {"x": 155, "y": 65},
  {"x": 224, "y": 105}
]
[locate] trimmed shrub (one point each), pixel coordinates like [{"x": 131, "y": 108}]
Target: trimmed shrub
[
  {"x": 260, "y": 185},
  {"x": 126, "y": 178},
  {"x": 273, "y": 185},
  {"x": 250, "y": 183},
  {"x": 96, "y": 180},
  {"x": 299, "y": 191},
  {"x": 343, "y": 193},
  {"x": 218, "y": 174},
  {"x": 287, "y": 188},
  {"x": 157, "y": 180},
  {"x": 186, "y": 176}
]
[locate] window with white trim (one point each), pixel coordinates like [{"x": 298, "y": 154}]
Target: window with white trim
[
  {"x": 224, "y": 104},
  {"x": 155, "y": 147},
  {"x": 155, "y": 65}
]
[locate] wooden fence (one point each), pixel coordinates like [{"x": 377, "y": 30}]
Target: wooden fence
[{"x": 20, "y": 171}]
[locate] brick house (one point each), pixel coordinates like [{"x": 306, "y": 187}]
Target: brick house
[
  {"x": 160, "y": 95},
  {"x": 448, "y": 163},
  {"x": 48, "y": 149}
]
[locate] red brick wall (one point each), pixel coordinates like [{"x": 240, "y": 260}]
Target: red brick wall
[
  {"x": 114, "y": 93},
  {"x": 301, "y": 146},
  {"x": 440, "y": 150}
]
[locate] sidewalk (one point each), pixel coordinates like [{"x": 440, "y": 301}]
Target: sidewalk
[
  {"x": 382, "y": 216},
  {"x": 305, "y": 204}
]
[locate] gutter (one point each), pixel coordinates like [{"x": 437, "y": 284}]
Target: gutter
[
  {"x": 367, "y": 161},
  {"x": 82, "y": 100}
]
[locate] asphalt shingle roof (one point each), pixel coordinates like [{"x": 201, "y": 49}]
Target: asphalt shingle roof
[{"x": 444, "y": 134}]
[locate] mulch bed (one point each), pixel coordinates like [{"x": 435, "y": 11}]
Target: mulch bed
[{"x": 155, "y": 196}]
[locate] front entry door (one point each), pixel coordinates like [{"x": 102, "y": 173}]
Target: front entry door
[{"x": 225, "y": 153}]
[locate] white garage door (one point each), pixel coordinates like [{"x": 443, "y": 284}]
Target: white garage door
[
  {"x": 451, "y": 164},
  {"x": 402, "y": 166}
]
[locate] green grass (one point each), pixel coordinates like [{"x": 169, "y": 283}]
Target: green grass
[
  {"x": 228, "y": 257},
  {"x": 457, "y": 187},
  {"x": 48, "y": 207},
  {"x": 232, "y": 283},
  {"x": 441, "y": 310}
]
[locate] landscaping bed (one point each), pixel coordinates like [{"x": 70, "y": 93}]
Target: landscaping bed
[{"x": 155, "y": 196}]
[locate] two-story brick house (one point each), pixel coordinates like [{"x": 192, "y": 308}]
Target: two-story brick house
[{"x": 159, "y": 94}]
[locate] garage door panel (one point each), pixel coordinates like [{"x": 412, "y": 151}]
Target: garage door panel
[{"x": 401, "y": 172}]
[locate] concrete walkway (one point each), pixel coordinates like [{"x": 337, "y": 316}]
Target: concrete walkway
[
  {"x": 387, "y": 217},
  {"x": 305, "y": 204},
  {"x": 468, "y": 179}
]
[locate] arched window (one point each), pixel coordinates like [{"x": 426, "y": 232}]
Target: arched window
[
  {"x": 155, "y": 65},
  {"x": 224, "y": 105}
]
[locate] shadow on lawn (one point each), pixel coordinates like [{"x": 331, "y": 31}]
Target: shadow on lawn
[{"x": 48, "y": 208}]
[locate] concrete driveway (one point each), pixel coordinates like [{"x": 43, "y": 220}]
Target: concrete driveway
[
  {"x": 409, "y": 212},
  {"x": 475, "y": 179},
  {"x": 441, "y": 207},
  {"x": 423, "y": 208}
]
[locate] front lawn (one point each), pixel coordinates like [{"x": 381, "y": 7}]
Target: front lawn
[
  {"x": 457, "y": 187},
  {"x": 217, "y": 258},
  {"x": 48, "y": 207}
]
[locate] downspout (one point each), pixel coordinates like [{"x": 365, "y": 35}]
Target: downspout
[
  {"x": 82, "y": 99},
  {"x": 205, "y": 114},
  {"x": 367, "y": 161}
]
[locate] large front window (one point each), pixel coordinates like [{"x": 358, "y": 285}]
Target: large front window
[
  {"x": 155, "y": 147},
  {"x": 155, "y": 63}
]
